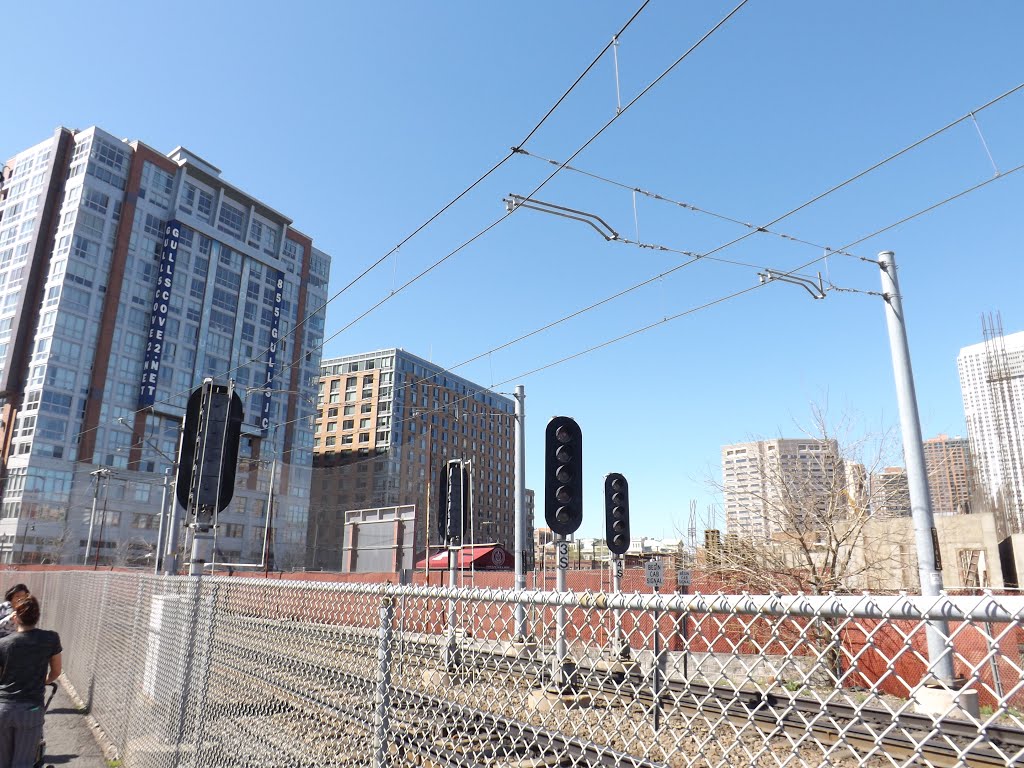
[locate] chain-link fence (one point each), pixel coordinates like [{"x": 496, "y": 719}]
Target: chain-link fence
[{"x": 251, "y": 672}]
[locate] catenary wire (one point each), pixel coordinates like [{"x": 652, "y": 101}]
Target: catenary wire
[
  {"x": 729, "y": 244},
  {"x": 472, "y": 186},
  {"x": 793, "y": 272},
  {"x": 301, "y": 322},
  {"x": 752, "y": 231},
  {"x": 684, "y": 313},
  {"x": 536, "y": 189},
  {"x": 682, "y": 204},
  {"x": 545, "y": 181}
]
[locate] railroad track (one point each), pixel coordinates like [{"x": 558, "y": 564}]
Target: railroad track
[
  {"x": 425, "y": 730},
  {"x": 435, "y": 730}
]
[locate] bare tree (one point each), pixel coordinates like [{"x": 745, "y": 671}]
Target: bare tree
[
  {"x": 61, "y": 548},
  {"x": 133, "y": 552},
  {"x": 805, "y": 514}
]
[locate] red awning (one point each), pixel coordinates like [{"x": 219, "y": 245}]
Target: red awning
[{"x": 489, "y": 557}]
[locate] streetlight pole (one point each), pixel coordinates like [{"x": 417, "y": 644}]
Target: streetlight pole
[
  {"x": 267, "y": 530},
  {"x": 269, "y": 521}
]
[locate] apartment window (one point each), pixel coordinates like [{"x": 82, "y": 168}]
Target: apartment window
[
  {"x": 205, "y": 207},
  {"x": 231, "y": 220},
  {"x": 348, "y": 424},
  {"x": 96, "y": 200},
  {"x": 349, "y": 410},
  {"x": 366, "y": 408},
  {"x": 255, "y": 232},
  {"x": 364, "y": 437},
  {"x": 188, "y": 197},
  {"x": 364, "y": 423}
]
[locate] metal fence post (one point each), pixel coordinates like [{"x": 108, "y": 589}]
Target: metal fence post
[{"x": 382, "y": 700}]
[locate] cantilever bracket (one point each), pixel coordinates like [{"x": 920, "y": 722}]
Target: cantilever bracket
[
  {"x": 600, "y": 225},
  {"x": 816, "y": 289}
]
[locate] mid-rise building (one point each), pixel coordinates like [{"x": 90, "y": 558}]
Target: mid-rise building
[
  {"x": 948, "y": 462},
  {"x": 128, "y": 276},
  {"x": 992, "y": 385},
  {"x": 387, "y": 423},
  {"x": 773, "y": 485}
]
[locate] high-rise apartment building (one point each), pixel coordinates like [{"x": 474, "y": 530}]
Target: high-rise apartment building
[
  {"x": 768, "y": 484},
  {"x": 127, "y": 277},
  {"x": 948, "y": 462},
  {"x": 992, "y": 385},
  {"x": 387, "y": 422}
]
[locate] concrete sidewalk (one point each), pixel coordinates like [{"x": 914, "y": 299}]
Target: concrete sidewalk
[{"x": 69, "y": 738}]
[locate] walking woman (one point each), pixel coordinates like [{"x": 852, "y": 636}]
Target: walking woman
[{"x": 29, "y": 660}]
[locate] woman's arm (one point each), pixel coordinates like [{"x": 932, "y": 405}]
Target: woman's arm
[{"x": 55, "y": 668}]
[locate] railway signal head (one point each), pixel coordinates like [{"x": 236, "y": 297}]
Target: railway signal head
[
  {"x": 563, "y": 475},
  {"x": 453, "y": 500},
  {"x": 616, "y": 513}
]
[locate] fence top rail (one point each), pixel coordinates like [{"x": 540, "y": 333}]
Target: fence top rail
[{"x": 973, "y": 608}]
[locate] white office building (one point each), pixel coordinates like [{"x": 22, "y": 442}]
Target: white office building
[{"x": 126, "y": 277}]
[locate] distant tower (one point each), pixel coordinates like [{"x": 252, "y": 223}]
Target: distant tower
[{"x": 948, "y": 460}]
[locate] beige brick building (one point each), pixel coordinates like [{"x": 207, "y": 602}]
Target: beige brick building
[
  {"x": 755, "y": 474},
  {"x": 387, "y": 422}
]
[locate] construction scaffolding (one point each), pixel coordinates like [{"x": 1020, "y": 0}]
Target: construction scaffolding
[{"x": 1005, "y": 377}]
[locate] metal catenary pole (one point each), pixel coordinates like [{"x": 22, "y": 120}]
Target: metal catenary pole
[
  {"x": 937, "y": 631},
  {"x": 520, "y": 508}
]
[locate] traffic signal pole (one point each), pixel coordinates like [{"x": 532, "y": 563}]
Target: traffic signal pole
[
  {"x": 451, "y": 660},
  {"x": 520, "y": 508},
  {"x": 621, "y": 647},
  {"x": 561, "y": 648}
]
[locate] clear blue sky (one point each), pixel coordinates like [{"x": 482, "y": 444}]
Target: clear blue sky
[{"x": 360, "y": 119}]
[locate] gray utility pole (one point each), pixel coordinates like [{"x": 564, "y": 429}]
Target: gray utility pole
[
  {"x": 939, "y": 657},
  {"x": 103, "y": 472},
  {"x": 520, "y": 508}
]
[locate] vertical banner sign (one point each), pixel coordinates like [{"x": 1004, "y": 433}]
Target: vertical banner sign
[
  {"x": 158, "y": 318},
  {"x": 275, "y": 333}
]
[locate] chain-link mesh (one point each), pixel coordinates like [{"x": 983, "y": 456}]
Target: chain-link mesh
[{"x": 252, "y": 672}]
